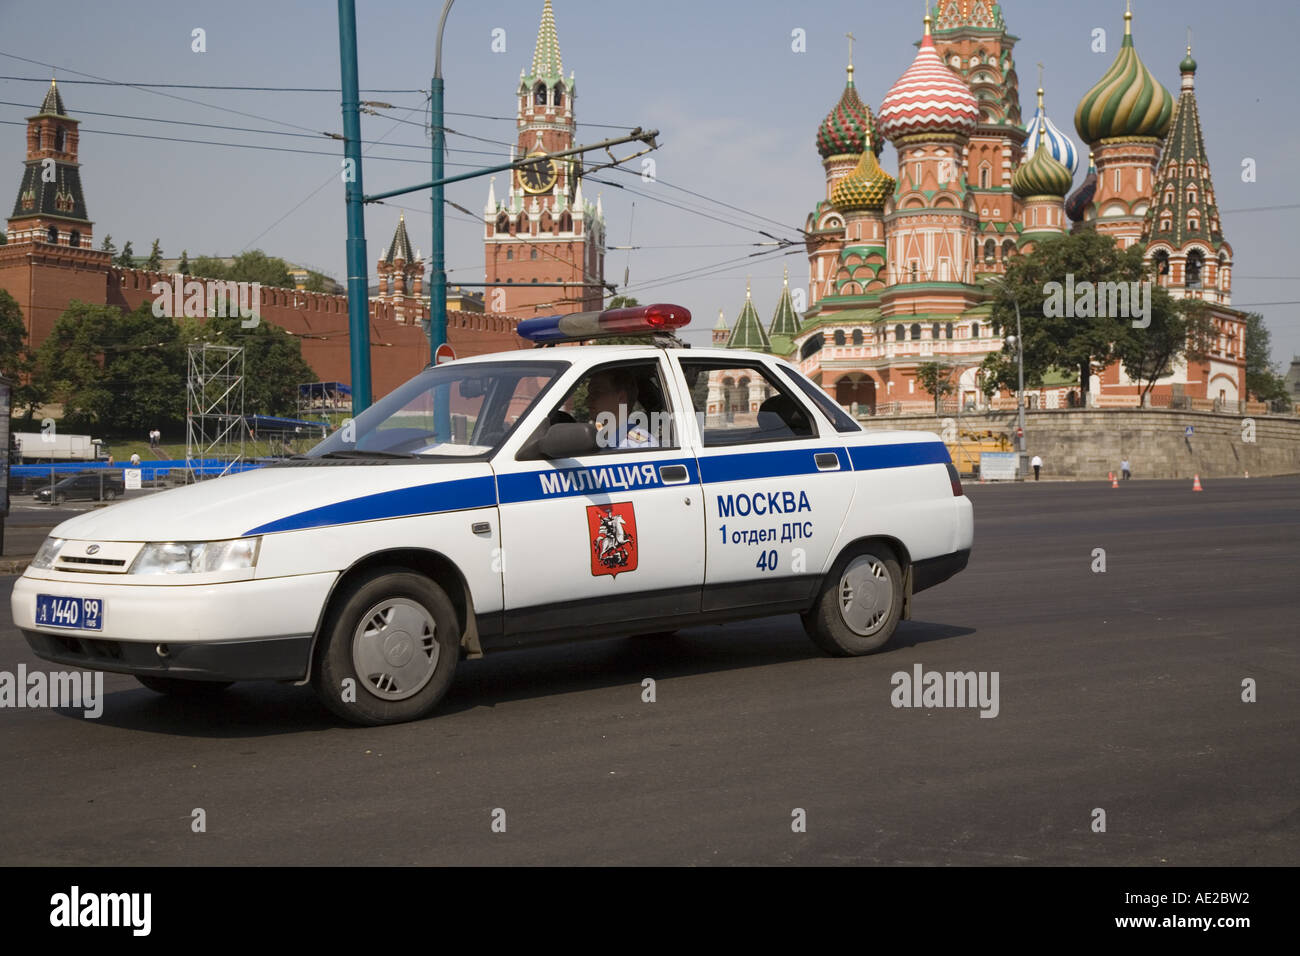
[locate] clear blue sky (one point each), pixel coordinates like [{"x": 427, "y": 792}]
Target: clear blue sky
[{"x": 737, "y": 110}]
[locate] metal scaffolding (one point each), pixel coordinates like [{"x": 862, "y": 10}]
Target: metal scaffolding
[{"x": 214, "y": 410}]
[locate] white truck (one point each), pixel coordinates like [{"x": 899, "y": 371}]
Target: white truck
[{"x": 56, "y": 446}]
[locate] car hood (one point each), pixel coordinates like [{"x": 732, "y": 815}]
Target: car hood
[{"x": 267, "y": 500}]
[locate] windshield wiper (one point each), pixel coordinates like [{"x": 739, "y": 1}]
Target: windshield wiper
[{"x": 356, "y": 453}]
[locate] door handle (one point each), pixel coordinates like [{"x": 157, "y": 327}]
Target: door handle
[
  {"x": 673, "y": 474},
  {"x": 827, "y": 461}
]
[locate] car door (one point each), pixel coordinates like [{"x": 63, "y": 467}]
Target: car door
[
  {"x": 607, "y": 541},
  {"x": 776, "y": 487}
]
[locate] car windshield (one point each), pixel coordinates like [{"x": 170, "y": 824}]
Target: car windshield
[{"x": 450, "y": 411}]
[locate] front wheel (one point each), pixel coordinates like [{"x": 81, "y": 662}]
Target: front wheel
[
  {"x": 109, "y": 494},
  {"x": 388, "y": 649},
  {"x": 860, "y": 602}
]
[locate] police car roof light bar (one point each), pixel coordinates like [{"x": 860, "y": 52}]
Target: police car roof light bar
[{"x": 657, "y": 318}]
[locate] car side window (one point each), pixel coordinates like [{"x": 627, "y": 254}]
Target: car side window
[
  {"x": 741, "y": 403},
  {"x": 628, "y": 404}
]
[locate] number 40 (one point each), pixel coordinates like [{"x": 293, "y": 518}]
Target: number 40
[{"x": 766, "y": 560}]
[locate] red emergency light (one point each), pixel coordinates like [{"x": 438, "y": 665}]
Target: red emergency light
[{"x": 639, "y": 319}]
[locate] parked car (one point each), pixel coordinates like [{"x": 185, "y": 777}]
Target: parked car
[{"x": 90, "y": 485}]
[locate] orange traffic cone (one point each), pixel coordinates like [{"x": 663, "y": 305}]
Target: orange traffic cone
[
  {"x": 1114, "y": 482},
  {"x": 1196, "y": 483},
  {"x": 1248, "y": 473}
]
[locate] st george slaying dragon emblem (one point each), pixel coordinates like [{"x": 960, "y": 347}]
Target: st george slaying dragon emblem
[{"x": 612, "y": 530}]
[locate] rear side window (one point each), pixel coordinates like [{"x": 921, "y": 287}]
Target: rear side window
[
  {"x": 839, "y": 418},
  {"x": 739, "y": 402}
]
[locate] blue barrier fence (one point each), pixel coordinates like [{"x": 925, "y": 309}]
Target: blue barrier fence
[{"x": 150, "y": 470}]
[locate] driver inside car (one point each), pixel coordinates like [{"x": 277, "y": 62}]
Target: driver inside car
[{"x": 611, "y": 393}]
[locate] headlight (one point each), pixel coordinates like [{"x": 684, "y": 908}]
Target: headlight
[
  {"x": 196, "y": 557},
  {"x": 49, "y": 551}
]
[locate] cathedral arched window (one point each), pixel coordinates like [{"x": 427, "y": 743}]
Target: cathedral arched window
[
  {"x": 503, "y": 223},
  {"x": 74, "y": 239},
  {"x": 533, "y": 255},
  {"x": 1193, "y": 223},
  {"x": 1169, "y": 197},
  {"x": 58, "y": 139},
  {"x": 1166, "y": 225},
  {"x": 974, "y": 330},
  {"x": 522, "y": 222},
  {"x": 990, "y": 250},
  {"x": 839, "y": 336},
  {"x": 986, "y": 176},
  {"x": 52, "y": 234},
  {"x": 539, "y": 95},
  {"x": 1161, "y": 261},
  {"x": 1008, "y": 248},
  {"x": 566, "y": 222},
  {"x": 558, "y": 95},
  {"x": 899, "y": 333},
  {"x": 948, "y": 331},
  {"x": 997, "y": 329},
  {"x": 857, "y": 336},
  {"x": 1195, "y": 260},
  {"x": 510, "y": 255},
  {"x": 916, "y": 331}
]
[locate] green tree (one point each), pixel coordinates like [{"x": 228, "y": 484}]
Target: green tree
[
  {"x": 3, "y": 238},
  {"x": 1262, "y": 379},
  {"x": 183, "y": 267},
  {"x": 252, "y": 266},
  {"x": 126, "y": 259},
  {"x": 936, "y": 378},
  {"x": 15, "y": 358},
  {"x": 117, "y": 373},
  {"x": 154, "y": 261},
  {"x": 1085, "y": 343},
  {"x": 273, "y": 363},
  {"x": 316, "y": 282},
  {"x": 1178, "y": 329},
  {"x": 107, "y": 246}
]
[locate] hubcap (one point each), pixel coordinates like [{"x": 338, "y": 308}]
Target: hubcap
[
  {"x": 866, "y": 595},
  {"x": 395, "y": 648}
]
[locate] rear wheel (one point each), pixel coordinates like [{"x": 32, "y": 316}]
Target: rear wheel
[
  {"x": 388, "y": 649},
  {"x": 109, "y": 494},
  {"x": 860, "y": 602},
  {"x": 177, "y": 687}
]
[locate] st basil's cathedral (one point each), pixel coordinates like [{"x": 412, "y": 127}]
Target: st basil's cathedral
[{"x": 902, "y": 268}]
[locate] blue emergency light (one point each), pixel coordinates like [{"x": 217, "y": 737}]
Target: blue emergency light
[{"x": 593, "y": 325}]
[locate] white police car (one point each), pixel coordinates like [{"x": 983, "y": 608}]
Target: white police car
[{"x": 508, "y": 500}]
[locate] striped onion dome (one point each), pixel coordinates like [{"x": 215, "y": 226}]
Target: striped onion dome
[
  {"x": 867, "y": 187},
  {"x": 1127, "y": 103},
  {"x": 928, "y": 98},
  {"x": 1058, "y": 144},
  {"x": 845, "y": 129},
  {"x": 1042, "y": 175}
]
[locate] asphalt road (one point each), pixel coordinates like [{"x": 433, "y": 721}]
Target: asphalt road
[{"x": 1118, "y": 690}]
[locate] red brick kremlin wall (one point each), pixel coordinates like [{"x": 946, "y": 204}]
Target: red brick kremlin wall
[{"x": 397, "y": 350}]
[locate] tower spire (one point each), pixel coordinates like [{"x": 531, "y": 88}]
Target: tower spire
[{"x": 546, "y": 56}]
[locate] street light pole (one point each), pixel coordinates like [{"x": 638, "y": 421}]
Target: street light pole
[
  {"x": 1020, "y": 397},
  {"x": 438, "y": 290},
  {"x": 358, "y": 293}
]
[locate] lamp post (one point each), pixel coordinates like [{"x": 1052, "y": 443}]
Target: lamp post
[
  {"x": 438, "y": 290},
  {"x": 1023, "y": 463}
]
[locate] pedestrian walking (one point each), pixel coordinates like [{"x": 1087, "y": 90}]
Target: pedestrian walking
[
  {"x": 135, "y": 459},
  {"x": 1124, "y": 471},
  {"x": 1038, "y": 466}
]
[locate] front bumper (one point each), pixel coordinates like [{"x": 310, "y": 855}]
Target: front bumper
[{"x": 241, "y": 630}]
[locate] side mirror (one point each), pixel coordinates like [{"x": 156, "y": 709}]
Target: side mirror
[{"x": 568, "y": 440}]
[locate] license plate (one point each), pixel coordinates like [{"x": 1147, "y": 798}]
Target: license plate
[{"x": 83, "y": 614}]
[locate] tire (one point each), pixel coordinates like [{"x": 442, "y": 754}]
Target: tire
[
  {"x": 178, "y": 687},
  {"x": 58, "y": 499},
  {"x": 110, "y": 494},
  {"x": 394, "y": 635},
  {"x": 849, "y": 618}
]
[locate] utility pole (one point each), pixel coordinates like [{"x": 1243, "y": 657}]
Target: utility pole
[
  {"x": 438, "y": 283},
  {"x": 358, "y": 277}
]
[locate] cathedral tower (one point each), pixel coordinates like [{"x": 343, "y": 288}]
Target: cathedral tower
[
  {"x": 544, "y": 230},
  {"x": 1182, "y": 233},
  {"x": 401, "y": 278},
  {"x": 1124, "y": 118}
]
